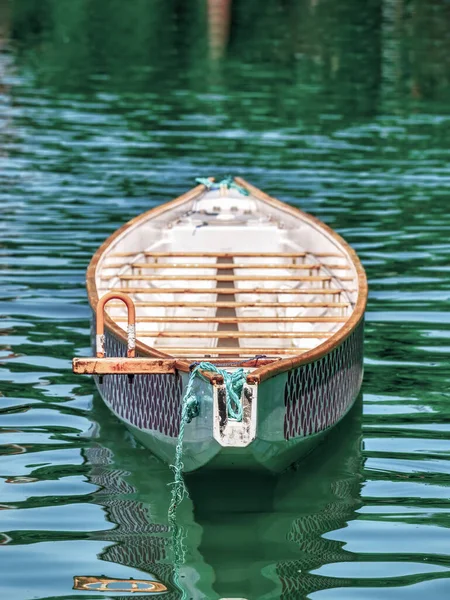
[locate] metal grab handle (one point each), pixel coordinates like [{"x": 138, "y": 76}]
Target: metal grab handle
[{"x": 100, "y": 325}]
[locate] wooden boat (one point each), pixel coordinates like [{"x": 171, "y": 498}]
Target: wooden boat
[{"x": 228, "y": 275}]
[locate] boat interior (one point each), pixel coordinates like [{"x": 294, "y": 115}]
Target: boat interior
[{"x": 226, "y": 276}]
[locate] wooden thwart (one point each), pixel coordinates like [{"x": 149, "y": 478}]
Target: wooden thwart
[
  {"x": 234, "y": 291},
  {"x": 219, "y": 266},
  {"x": 190, "y": 277},
  {"x": 203, "y": 353},
  {"x": 234, "y": 334},
  {"x": 227, "y": 254},
  {"x": 232, "y": 320},
  {"x": 241, "y": 304}
]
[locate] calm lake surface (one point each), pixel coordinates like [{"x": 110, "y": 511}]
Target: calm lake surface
[{"x": 108, "y": 108}]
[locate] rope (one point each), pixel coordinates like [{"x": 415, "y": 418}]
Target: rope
[
  {"x": 190, "y": 408},
  {"x": 226, "y": 182}
]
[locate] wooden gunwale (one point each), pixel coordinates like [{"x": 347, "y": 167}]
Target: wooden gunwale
[
  {"x": 110, "y": 325},
  {"x": 267, "y": 371},
  {"x": 302, "y": 355}
]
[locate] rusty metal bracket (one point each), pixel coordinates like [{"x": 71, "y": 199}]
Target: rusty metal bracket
[
  {"x": 100, "y": 323},
  {"x": 131, "y": 365}
]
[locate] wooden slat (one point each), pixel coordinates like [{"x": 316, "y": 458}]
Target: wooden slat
[
  {"x": 155, "y": 265},
  {"x": 190, "y": 277},
  {"x": 240, "y": 304},
  {"x": 228, "y": 254},
  {"x": 234, "y": 334},
  {"x": 225, "y": 320},
  {"x": 233, "y": 291},
  {"x": 251, "y": 361},
  {"x": 118, "y": 365},
  {"x": 198, "y": 352}
]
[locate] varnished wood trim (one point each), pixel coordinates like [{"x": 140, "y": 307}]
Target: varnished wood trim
[
  {"x": 302, "y": 356},
  {"x": 242, "y": 304},
  {"x": 230, "y": 335},
  {"x": 90, "y": 275},
  {"x": 239, "y": 351},
  {"x": 130, "y": 366},
  {"x": 234, "y": 291},
  {"x": 233, "y": 320},
  {"x": 226, "y": 266},
  {"x": 190, "y": 277},
  {"x": 267, "y": 371},
  {"x": 250, "y": 362},
  {"x": 226, "y": 254}
]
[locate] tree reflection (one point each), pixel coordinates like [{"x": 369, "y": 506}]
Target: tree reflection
[{"x": 312, "y": 55}]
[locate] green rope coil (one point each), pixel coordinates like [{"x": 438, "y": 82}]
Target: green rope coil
[{"x": 227, "y": 182}]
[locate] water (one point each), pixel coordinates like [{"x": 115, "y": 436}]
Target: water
[{"x": 110, "y": 108}]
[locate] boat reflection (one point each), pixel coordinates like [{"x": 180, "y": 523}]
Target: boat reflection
[{"x": 246, "y": 535}]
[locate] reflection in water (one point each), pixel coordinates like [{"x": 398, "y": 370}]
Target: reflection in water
[
  {"x": 219, "y": 15},
  {"x": 298, "y": 48},
  {"x": 140, "y": 539},
  {"x": 105, "y": 584},
  {"x": 260, "y": 535}
]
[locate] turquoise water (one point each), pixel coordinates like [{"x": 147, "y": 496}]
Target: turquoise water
[{"x": 109, "y": 108}]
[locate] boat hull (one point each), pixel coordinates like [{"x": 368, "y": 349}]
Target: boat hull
[{"x": 289, "y": 413}]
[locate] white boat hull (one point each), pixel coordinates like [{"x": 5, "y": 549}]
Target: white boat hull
[{"x": 287, "y": 416}]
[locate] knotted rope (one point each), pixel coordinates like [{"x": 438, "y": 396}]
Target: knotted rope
[
  {"x": 227, "y": 182},
  {"x": 190, "y": 408}
]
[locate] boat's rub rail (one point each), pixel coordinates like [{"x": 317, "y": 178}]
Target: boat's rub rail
[{"x": 339, "y": 288}]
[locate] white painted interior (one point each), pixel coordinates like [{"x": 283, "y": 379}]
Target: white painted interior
[{"x": 231, "y": 223}]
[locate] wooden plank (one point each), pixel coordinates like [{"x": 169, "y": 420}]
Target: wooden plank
[
  {"x": 202, "y": 353},
  {"x": 227, "y": 254},
  {"x": 240, "y": 304},
  {"x": 234, "y": 334},
  {"x": 225, "y": 320},
  {"x": 233, "y": 291},
  {"x": 130, "y": 366},
  {"x": 190, "y": 277},
  {"x": 250, "y": 361},
  {"x": 227, "y": 266}
]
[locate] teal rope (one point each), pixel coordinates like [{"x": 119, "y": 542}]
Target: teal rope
[
  {"x": 190, "y": 408},
  {"x": 227, "y": 181}
]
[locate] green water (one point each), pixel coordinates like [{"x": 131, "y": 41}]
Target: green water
[{"x": 108, "y": 108}]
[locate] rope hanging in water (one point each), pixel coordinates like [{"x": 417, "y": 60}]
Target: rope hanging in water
[
  {"x": 227, "y": 182},
  {"x": 190, "y": 408}
]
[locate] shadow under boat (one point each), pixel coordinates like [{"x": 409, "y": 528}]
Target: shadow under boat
[{"x": 246, "y": 535}]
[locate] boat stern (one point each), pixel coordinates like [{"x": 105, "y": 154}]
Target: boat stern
[{"x": 230, "y": 432}]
